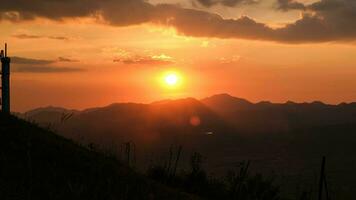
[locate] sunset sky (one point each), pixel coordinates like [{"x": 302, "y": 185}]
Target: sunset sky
[{"x": 87, "y": 53}]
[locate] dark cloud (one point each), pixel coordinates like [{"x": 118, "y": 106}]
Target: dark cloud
[
  {"x": 286, "y": 5},
  {"x": 325, "y": 20},
  {"x": 16, "y": 10},
  {"x": 57, "y": 38},
  {"x": 204, "y": 24},
  {"x": 63, "y": 59},
  {"x": 27, "y": 36},
  {"x": 31, "y": 65},
  {"x": 33, "y": 61},
  {"x": 229, "y": 3},
  {"x": 30, "y": 61},
  {"x": 45, "y": 69},
  {"x": 127, "y": 12}
]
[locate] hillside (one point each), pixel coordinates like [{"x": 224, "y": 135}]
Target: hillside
[{"x": 37, "y": 164}]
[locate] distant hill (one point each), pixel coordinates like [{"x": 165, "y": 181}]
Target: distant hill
[
  {"x": 48, "y": 115},
  {"x": 226, "y": 102},
  {"x": 267, "y": 117},
  {"x": 37, "y": 164},
  {"x": 219, "y": 114},
  {"x": 209, "y": 124},
  {"x": 129, "y": 121}
]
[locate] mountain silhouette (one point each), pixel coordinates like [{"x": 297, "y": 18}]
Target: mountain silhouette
[
  {"x": 225, "y": 102},
  {"x": 218, "y": 114},
  {"x": 47, "y": 115},
  {"x": 166, "y": 121},
  {"x": 267, "y": 117}
]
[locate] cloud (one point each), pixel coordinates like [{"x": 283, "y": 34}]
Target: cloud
[
  {"x": 144, "y": 61},
  {"x": 131, "y": 58},
  {"x": 45, "y": 69},
  {"x": 228, "y": 3},
  {"x": 17, "y": 10},
  {"x": 27, "y": 36},
  {"x": 57, "y": 38},
  {"x": 204, "y": 24},
  {"x": 31, "y": 65},
  {"x": 30, "y": 61},
  {"x": 63, "y": 59},
  {"x": 322, "y": 21},
  {"x": 287, "y": 5}
]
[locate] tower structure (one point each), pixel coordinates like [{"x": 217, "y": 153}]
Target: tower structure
[{"x": 5, "y": 81}]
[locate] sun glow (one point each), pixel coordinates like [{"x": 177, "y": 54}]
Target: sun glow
[{"x": 171, "y": 79}]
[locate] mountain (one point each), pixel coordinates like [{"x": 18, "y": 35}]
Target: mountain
[
  {"x": 218, "y": 114},
  {"x": 37, "y": 164},
  {"x": 226, "y": 103},
  {"x": 183, "y": 121},
  {"x": 173, "y": 120},
  {"x": 48, "y": 115},
  {"x": 267, "y": 117}
]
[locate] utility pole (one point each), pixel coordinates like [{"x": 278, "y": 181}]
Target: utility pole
[{"x": 5, "y": 81}]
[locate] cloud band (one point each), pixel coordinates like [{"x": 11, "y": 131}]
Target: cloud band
[{"x": 322, "y": 21}]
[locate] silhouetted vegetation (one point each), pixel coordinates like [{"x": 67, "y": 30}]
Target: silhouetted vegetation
[
  {"x": 37, "y": 164},
  {"x": 237, "y": 184}
]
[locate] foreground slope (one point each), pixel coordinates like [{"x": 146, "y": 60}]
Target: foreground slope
[{"x": 37, "y": 164}]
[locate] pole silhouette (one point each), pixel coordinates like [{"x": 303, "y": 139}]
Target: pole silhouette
[{"x": 5, "y": 81}]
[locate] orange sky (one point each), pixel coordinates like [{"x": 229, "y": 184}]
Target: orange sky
[{"x": 81, "y": 62}]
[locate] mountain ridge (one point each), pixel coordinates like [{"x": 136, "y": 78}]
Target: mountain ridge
[
  {"x": 215, "y": 111},
  {"x": 215, "y": 96}
]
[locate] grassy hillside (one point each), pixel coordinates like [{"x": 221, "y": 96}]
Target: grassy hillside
[{"x": 37, "y": 164}]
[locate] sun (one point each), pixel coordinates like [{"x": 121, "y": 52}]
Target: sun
[{"x": 171, "y": 79}]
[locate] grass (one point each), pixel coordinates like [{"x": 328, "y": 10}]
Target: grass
[{"x": 38, "y": 164}]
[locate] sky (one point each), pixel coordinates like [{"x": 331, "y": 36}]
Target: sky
[{"x": 87, "y": 53}]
